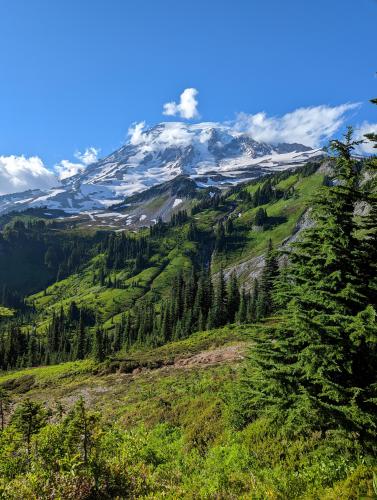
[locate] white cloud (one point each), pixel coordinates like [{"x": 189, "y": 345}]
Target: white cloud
[
  {"x": 66, "y": 168},
  {"x": 89, "y": 156},
  {"x": 170, "y": 134},
  {"x": 18, "y": 173},
  {"x": 175, "y": 134},
  {"x": 365, "y": 128},
  {"x": 136, "y": 133},
  {"x": 309, "y": 126},
  {"x": 186, "y": 108}
]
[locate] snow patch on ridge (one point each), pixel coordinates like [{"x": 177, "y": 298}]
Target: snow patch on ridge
[{"x": 177, "y": 202}]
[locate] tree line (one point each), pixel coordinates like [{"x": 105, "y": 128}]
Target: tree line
[{"x": 197, "y": 301}]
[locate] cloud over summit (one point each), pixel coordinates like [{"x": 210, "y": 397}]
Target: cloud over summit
[
  {"x": 187, "y": 107},
  {"x": 310, "y": 126}
]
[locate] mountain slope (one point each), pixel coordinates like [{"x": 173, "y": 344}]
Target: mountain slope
[
  {"x": 209, "y": 154},
  {"x": 172, "y": 251}
]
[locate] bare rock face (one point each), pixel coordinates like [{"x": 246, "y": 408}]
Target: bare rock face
[
  {"x": 362, "y": 208},
  {"x": 327, "y": 167},
  {"x": 304, "y": 222},
  {"x": 251, "y": 269},
  {"x": 247, "y": 271}
]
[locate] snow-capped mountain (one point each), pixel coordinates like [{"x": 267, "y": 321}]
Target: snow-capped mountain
[{"x": 208, "y": 153}]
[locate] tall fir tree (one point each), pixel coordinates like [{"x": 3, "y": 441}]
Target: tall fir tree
[
  {"x": 233, "y": 294},
  {"x": 219, "y": 306},
  {"x": 304, "y": 372},
  {"x": 98, "y": 350},
  {"x": 369, "y": 221},
  {"x": 270, "y": 273},
  {"x": 80, "y": 338}
]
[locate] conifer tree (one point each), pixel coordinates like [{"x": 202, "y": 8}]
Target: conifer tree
[
  {"x": 118, "y": 337},
  {"x": 80, "y": 339},
  {"x": 220, "y": 237},
  {"x": 219, "y": 308},
  {"x": 28, "y": 418},
  {"x": 369, "y": 221},
  {"x": 260, "y": 217},
  {"x": 233, "y": 294},
  {"x": 242, "y": 310},
  {"x": 304, "y": 372},
  {"x": 211, "y": 319},
  {"x": 265, "y": 305},
  {"x": 80, "y": 425},
  {"x": 365, "y": 336},
  {"x": 32, "y": 354},
  {"x": 98, "y": 351},
  {"x": 253, "y": 302}
]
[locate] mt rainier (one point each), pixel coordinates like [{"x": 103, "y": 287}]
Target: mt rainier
[{"x": 208, "y": 153}]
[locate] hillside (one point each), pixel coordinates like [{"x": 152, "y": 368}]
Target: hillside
[
  {"x": 171, "y": 413},
  {"x": 134, "y": 352}
]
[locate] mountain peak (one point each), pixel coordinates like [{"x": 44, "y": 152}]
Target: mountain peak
[{"x": 209, "y": 153}]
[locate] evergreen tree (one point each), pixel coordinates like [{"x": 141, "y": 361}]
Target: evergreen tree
[
  {"x": 304, "y": 372},
  {"x": 212, "y": 321},
  {"x": 219, "y": 309},
  {"x": 74, "y": 312},
  {"x": 80, "y": 427},
  {"x": 253, "y": 303},
  {"x": 242, "y": 310},
  {"x": 265, "y": 305},
  {"x": 220, "y": 237},
  {"x": 166, "y": 326},
  {"x": 98, "y": 351},
  {"x": 369, "y": 222},
  {"x": 32, "y": 351},
  {"x": 28, "y": 418},
  {"x": 260, "y": 217},
  {"x": 80, "y": 338},
  {"x": 233, "y": 294}
]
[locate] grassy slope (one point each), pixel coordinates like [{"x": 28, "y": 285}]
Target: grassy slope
[
  {"x": 286, "y": 212},
  {"x": 178, "y": 421}
]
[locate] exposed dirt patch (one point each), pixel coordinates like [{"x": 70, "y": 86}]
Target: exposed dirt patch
[
  {"x": 19, "y": 385},
  {"x": 220, "y": 355}
]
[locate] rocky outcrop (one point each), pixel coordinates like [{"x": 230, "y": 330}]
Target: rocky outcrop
[{"x": 248, "y": 270}]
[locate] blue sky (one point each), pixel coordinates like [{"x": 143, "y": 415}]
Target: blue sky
[{"x": 76, "y": 74}]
